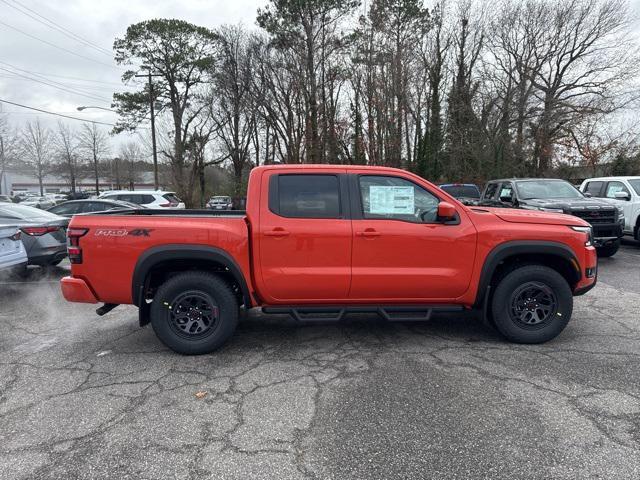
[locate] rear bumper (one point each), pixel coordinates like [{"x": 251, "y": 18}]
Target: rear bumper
[
  {"x": 44, "y": 260},
  {"x": 77, "y": 290}
]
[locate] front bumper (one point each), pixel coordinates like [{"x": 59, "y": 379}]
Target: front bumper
[
  {"x": 606, "y": 234},
  {"x": 77, "y": 290},
  {"x": 589, "y": 274}
]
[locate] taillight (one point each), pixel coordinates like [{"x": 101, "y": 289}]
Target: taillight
[
  {"x": 16, "y": 236},
  {"x": 73, "y": 244},
  {"x": 164, "y": 205},
  {"x": 39, "y": 231}
]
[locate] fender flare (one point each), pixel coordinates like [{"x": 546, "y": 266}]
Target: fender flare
[
  {"x": 193, "y": 253},
  {"x": 508, "y": 249}
]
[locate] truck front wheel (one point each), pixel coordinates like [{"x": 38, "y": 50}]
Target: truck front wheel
[
  {"x": 194, "y": 313},
  {"x": 532, "y": 304},
  {"x": 608, "y": 250}
]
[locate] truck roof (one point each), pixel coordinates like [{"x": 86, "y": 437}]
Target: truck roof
[
  {"x": 529, "y": 179},
  {"x": 314, "y": 166}
]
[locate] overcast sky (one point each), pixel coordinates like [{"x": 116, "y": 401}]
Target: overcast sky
[{"x": 99, "y": 22}]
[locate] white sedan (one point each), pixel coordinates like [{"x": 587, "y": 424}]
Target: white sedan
[{"x": 12, "y": 252}]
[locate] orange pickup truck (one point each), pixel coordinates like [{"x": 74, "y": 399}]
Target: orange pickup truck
[{"x": 321, "y": 241}]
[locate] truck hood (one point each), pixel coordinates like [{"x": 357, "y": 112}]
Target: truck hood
[
  {"x": 566, "y": 204},
  {"x": 514, "y": 215}
]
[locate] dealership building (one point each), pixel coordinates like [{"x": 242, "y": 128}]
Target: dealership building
[{"x": 14, "y": 182}]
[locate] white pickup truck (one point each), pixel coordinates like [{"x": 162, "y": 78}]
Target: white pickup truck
[{"x": 624, "y": 192}]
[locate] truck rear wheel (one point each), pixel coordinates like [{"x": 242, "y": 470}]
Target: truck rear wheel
[
  {"x": 194, "y": 313},
  {"x": 532, "y": 304}
]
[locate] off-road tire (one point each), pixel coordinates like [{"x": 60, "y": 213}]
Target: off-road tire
[
  {"x": 207, "y": 288},
  {"x": 511, "y": 288}
]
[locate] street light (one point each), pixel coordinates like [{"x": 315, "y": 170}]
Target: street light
[{"x": 100, "y": 108}]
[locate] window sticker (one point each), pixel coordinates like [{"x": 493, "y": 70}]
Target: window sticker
[{"x": 391, "y": 200}]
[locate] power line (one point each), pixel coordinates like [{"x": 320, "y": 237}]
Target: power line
[
  {"x": 76, "y": 78},
  {"x": 53, "y": 84},
  {"x": 81, "y": 88},
  {"x": 56, "y": 114},
  {"x": 53, "y": 25},
  {"x": 56, "y": 46},
  {"x": 46, "y": 75}
]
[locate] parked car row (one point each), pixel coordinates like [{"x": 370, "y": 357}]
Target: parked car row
[
  {"x": 145, "y": 198},
  {"x": 610, "y": 204}
]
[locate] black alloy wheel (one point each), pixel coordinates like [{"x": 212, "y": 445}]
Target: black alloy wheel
[
  {"x": 193, "y": 313},
  {"x": 533, "y": 305}
]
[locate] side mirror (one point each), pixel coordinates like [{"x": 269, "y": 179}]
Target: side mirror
[
  {"x": 622, "y": 195},
  {"x": 587, "y": 194},
  {"x": 446, "y": 212}
]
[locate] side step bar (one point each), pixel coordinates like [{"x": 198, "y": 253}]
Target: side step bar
[{"x": 335, "y": 313}]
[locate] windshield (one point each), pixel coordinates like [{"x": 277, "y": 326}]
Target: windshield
[
  {"x": 462, "y": 191},
  {"x": 635, "y": 183},
  {"x": 221, "y": 200},
  {"x": 546, "y": 189}
]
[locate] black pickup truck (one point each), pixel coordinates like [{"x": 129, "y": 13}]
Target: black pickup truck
[{"x": 554, "y": 195}]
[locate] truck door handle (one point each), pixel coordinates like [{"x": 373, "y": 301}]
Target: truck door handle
[
  {"x": 277, "y": 232},
  {"x": 370, "y": 232}
]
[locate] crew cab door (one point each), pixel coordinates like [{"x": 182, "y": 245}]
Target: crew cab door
[
  {"x": 401, "y": 250},
  {"x": 627, "y": 205},
  {"x": 304, "y": 238}
]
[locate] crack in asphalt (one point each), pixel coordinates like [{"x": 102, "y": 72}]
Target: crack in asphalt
[{"x": 133, "y": 409}]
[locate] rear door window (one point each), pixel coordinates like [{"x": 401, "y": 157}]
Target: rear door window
[
  {"x": 91, "y": 207},
  {"x": 66, "y": 209},
  {"x": 305, "y": 196}
]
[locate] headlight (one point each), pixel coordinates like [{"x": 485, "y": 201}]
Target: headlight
[
  {"x": 620, "y": 212},
  {"x": 588, "y": 231},
  {"x": 553, "y": 210}
]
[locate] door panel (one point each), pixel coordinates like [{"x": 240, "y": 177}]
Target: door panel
[
  {"x": 408, "y": 256},
  {"x": 304, "y": 237},
  {"x": 626, "y": 205}
]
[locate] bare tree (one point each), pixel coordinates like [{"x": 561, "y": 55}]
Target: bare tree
[
  {"x": 588, "y": 55},
  {"x": 232, "y": 109},
  {"x": 67, "y": 149},
  {"x": 300, "y": 29},
  {"x": 37, "y": 146},
  {"x": 94, "y": 144},
  {"x": 9, "y": 145},
  {"x": 130, "y": 155}
]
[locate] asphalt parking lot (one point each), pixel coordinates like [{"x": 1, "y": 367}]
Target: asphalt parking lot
[{"x": 83, "y": 396}]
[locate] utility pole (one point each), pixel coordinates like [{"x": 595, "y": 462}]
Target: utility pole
[{"x": 153, "y": 126}]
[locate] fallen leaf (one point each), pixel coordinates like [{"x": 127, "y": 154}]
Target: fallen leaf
[{"x": 201, "y": 394}]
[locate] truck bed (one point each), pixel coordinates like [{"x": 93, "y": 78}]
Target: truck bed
[
  {"x": 115, "y": 241},
  {"x": 176, "y": 212}
]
